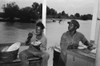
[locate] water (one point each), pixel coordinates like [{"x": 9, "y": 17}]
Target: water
[
  {"x": 10, "y": 33},
  {"x": 18, "y": 31}
]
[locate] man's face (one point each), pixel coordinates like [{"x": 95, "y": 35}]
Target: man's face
[
  {"x": 71, "y": 27},
  {"x": 38, "y": 30}
]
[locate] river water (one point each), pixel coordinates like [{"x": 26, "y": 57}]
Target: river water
[
  {"x": 10, "y": 33},
  {"x": 16, "y": 32}
]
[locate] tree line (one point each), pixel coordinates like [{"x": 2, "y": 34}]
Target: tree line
[{"x": 12, "y": 12}]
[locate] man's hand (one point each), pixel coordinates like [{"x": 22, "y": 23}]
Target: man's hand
[
  {"x": 30, "y": 35},
  {"x": 90, "y": 47}
]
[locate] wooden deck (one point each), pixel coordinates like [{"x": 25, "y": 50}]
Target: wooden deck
[
  {"x": 83, "y": 54},
  {"x": 33, "y": 62}
]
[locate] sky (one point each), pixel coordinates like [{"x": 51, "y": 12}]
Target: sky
[{"x": 69, "y": 6}]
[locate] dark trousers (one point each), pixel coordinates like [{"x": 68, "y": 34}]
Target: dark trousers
[{"x": 57, "y": 60}]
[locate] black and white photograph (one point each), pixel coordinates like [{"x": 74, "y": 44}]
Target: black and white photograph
[{"x": 49, "y": 32}]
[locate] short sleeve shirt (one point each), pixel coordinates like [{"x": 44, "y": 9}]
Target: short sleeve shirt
[
  {"x": 43, "y": 40},
  {"x": 67, "y": 39}
]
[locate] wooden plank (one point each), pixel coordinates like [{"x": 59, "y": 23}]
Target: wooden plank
[
  {"x": 83, "y": 54},
  {"x": 80, "y": 54},
  {"x": 33, "y": 61},
  {"x": 18, "y": 60}
]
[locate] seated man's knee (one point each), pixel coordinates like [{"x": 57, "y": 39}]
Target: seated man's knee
[
  {"x": 64, "y": 53},
  {"x": 46, "y": 56},
  {"x": 22, "y": 55}
]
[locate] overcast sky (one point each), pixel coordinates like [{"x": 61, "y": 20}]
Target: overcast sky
[{"x": 69, "y": 6}]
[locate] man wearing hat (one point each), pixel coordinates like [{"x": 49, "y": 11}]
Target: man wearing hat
[{"x": 71, "y": 39}]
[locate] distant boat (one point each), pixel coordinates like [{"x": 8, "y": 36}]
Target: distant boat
[
  {"x": 54, "y": 20},
  {"x": 60, "y": 20}
]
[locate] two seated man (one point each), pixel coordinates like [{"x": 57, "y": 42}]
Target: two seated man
[{"x": 38, "y": 42}]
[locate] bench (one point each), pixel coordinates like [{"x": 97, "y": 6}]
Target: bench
[{"x": 32, "y": 61}]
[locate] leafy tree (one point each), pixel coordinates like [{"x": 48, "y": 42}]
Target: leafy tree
[
  {"x": 63, "y": 13},
  {"x": 67, "y": 16},
  {"x": 28, "y": 14},
  {"x": 53, "y": 11},
  {"x": 89, "y": 16},
  {"x": 25, "y": 13},
  {"x": 40, "y": 10},
  {"x": 59, "y": 15},
  {"x": 86, "y": 17},
  {"x": 72, "y": 16},
  {"x": 48, "y": 10},
  {"x": 77, "y": 15},
  {"x": 37, "y": 8},
  {"x": 10, "y": 10}
]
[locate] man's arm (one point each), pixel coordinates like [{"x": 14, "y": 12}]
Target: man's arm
[
  {"x": 63, "y": 42},
  {"x": 43, "y": 46},
  {"x": 86, "y": 42},
  {"x": 30, "y": 35}
]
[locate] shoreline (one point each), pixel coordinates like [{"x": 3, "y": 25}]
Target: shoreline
[
  {"x": 17, "y": 20},
  {"x": 34, "y": 21}
]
